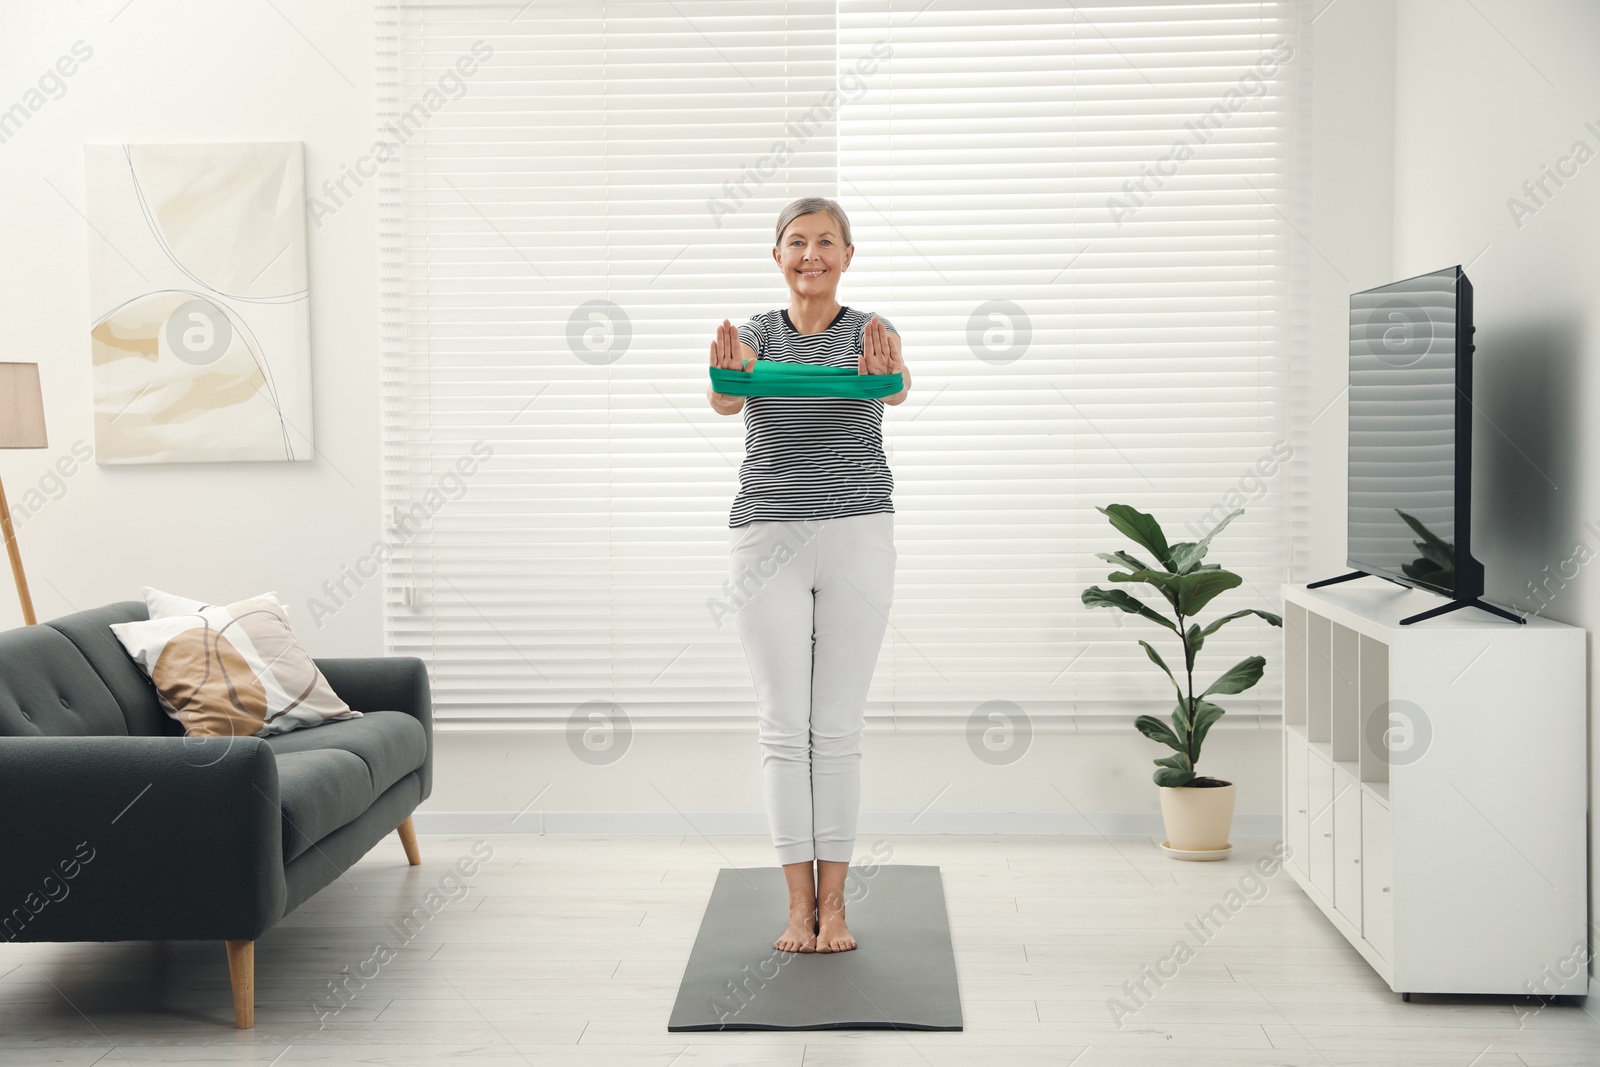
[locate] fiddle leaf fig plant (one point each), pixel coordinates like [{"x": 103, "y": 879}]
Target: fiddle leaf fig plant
[{"x": 1187, "y": 585}]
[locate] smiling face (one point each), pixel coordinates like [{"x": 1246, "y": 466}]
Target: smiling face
[{"x": 812, "y": 255}]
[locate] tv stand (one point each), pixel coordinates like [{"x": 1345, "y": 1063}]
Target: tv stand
[
  {"x": 1352, "y": 576},
  {"x": 1453, "y": 605},
  {"x": 1435, "y": 789},
  {"x": 1456, "y": 604}
]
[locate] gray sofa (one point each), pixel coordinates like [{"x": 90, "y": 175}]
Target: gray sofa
[{"x": 121, "y": 828}]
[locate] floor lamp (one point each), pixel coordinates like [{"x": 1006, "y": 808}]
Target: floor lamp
[{"x": 21, "y": 426}]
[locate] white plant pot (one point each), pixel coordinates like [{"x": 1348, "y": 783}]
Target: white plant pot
[{"x": 1197, "y": 818}]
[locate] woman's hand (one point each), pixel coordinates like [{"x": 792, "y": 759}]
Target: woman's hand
[
  {"x": 880, "y": 354},
  {"x": 729, "y": 353}
]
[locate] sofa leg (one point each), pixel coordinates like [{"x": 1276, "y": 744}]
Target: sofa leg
[
  {"x": 408, "y": 838},
  {"x": 242, "y": 973}
]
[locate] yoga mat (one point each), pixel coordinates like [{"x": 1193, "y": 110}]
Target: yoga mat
[
  {"x": 768, "y": 377},
  {"x": 900, "y": 976}
]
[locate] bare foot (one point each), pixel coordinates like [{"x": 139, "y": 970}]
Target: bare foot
[
  {"x": 801, "y": 933},
  {"x": 832, "y": 934}
]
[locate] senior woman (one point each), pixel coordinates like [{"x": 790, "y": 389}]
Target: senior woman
[{"x": 812, "y": 553}]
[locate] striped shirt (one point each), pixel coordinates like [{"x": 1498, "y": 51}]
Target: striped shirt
[{"x": 811, "y": 457}]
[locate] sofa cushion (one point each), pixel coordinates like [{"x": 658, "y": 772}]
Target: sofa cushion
[
  {"x": 48, "y": 688},
  {"x": 319, "y": 791},
  {"x": 233, "y": 669},
  {"x": 391, "y": 744}
]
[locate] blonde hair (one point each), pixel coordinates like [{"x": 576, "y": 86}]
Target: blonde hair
[{"x": 808, "y": 205}]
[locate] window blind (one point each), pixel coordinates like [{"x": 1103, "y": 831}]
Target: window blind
[{"x": 1092, "y": 314}]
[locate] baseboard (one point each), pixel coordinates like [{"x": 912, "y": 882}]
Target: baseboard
[{"x": 1109, "y": 823}]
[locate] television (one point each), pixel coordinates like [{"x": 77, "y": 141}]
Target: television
[{"x": 1410, "y": 445}]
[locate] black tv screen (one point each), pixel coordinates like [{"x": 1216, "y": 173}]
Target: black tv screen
[{"x": 1411, "y": 433}]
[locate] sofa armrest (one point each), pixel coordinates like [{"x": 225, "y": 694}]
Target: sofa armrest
[
  {"x": 114, "y": 838},
  {"x": 386, "y": 683}
]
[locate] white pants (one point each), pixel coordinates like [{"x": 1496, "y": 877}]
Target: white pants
[{"x": 812, "y": 602}]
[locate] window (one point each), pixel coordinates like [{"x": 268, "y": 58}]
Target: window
[{"x": 1083, "y": 221}]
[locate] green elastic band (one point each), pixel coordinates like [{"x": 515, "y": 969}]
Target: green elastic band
[{"x": 776, "y": 378}]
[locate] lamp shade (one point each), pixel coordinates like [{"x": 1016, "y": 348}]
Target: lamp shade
[{"x": 21, "y": 406}]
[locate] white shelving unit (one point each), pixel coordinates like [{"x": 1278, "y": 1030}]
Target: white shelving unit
[{"x": 1435, "y": 789}]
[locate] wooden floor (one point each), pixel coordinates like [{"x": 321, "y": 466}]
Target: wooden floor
[{"x": 568, "y": 950}]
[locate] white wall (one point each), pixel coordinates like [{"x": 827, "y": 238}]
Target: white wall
[
  {"x": 1483, "y": 103},
  {"x": 1484, "y": 95},
  {"x": 1351, "y": 233},
  {"x": 167, "y": 71},
  {"x": 163, "y": 71}
]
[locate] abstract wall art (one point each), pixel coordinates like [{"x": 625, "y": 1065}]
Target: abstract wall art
[{"x": 200, "y": 327}]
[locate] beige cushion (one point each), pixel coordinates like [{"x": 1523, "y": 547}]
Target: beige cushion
[{"x": 230, "y": 670}]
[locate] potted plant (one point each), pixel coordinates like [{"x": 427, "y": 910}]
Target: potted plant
[{"x": 1197, "y": 811}]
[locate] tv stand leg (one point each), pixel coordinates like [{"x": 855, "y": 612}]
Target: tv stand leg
[
  {"x": 1456, "y": 605},
  {"x": 1502, "y": 612},
  {"x": 1352, "y": 576}
]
